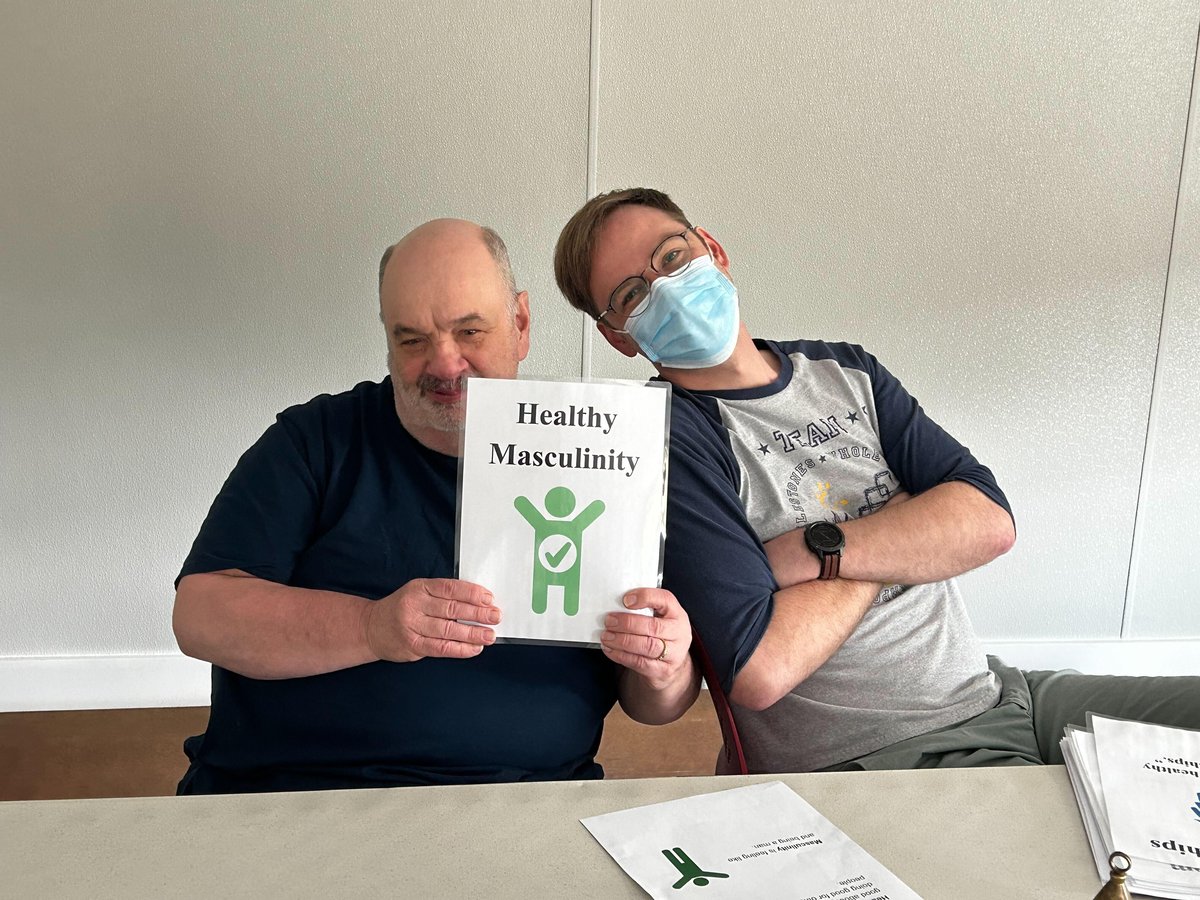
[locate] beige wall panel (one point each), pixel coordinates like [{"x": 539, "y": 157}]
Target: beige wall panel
[
  {"x": 1164, "y": 585},
  {"x": 980, "y": 194},
  {"x": 193, "y": 200}
]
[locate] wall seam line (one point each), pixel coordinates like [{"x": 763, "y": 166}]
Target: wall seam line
[
  {"x": 593, "y": 126},
  {"x": 1152, "y": 413}
]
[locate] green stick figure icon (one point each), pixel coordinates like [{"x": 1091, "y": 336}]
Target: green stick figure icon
[
  {"x": 689, "y": 870},
  {"x": 557, "y": 545}
]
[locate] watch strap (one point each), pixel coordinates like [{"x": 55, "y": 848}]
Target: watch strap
[{"x": 827, "y": 551}]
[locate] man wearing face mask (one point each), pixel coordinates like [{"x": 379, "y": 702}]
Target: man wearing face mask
[{"x": 816, "y": 521}]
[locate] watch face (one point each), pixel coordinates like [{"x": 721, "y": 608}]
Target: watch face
[{"x": 825, "y": 537}]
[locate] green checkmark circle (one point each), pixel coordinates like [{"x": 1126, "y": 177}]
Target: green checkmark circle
[{"x": 557, "y": 553}]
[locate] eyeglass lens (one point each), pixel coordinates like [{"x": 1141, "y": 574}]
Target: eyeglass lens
[{"x": 669, "y": 258}]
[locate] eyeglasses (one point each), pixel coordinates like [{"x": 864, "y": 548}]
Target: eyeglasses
[{"x": 671, "y": 257}]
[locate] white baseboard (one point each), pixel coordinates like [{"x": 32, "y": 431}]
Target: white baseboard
[
  {"x": 113, "y": 682},
  {"x": 1114, "y": 657},
  {"x": 30, "y": 683}
]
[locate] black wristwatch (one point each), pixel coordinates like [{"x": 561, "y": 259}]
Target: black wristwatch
[{"x": 826, "y": 540}]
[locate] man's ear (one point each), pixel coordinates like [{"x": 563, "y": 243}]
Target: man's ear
[
  {"x": 714, "y": 247},
  {"x": 622, "y": 343},
  {"x": 522, "y": 320}
]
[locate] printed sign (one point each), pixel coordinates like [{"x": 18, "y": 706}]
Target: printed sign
[{"x": 562, "y": 502}]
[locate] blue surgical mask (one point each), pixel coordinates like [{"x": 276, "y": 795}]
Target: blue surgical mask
[{"x": 690, "y": 320}]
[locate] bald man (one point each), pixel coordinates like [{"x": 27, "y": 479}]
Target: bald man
[{"x": 320, "y": 584}]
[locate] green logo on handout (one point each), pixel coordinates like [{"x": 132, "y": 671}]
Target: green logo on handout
[{"x": 689, "y": 870}]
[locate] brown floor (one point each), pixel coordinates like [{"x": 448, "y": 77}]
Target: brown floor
[
  {"x": 139, "y": 752},
  {"x": 688, "y": 746}
]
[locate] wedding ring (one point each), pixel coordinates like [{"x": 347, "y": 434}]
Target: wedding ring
[{"x": 662, "y": 657}]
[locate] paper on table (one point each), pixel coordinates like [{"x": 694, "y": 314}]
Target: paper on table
[
  {"x": 1150, "y": 775},
  {"x": 1147, "y": 876},
  {"x": 1079, "y": 752},
  {"x": 758, "y": 841},
  {"x": 1175, "y": 878}
]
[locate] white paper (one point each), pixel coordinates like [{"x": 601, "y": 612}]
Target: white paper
[
  {"x": 757, "y": 841},
  {"x": 1079, "y": 752},
  {"x": 562, "y": 503},
  {"x": 1172, "y": 878},
  {"x": 1150, "y": 775}
]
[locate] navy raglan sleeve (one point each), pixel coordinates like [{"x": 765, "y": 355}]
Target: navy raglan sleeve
[
  {"x": 917, "y": 449},
  {"x": 266, "y": 512},
  {"x": 714, "y": 563}
]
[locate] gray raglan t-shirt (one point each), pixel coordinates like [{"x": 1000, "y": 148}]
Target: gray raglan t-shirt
[{"x": 832, "y": 438}]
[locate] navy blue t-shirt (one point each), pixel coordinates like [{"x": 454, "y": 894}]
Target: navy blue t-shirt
[{"x": 337, "y": 496}]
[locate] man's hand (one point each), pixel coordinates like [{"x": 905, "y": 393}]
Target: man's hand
[
  {"x": 660, "y": 681},
  {"x": 266, "y": 630},
  {"x": 656, "y": 647},
  {"x": 419, "y": 620}
]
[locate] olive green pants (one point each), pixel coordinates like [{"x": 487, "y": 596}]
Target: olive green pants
[{"x": 1025, "y": 726}]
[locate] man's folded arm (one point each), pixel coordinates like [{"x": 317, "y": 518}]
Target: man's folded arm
[
  {"x": 809, "y": 622},
  {"x": 957, "y": 518},
  {"x": 945, "y": 531}
]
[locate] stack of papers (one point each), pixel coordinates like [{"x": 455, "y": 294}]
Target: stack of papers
[
  {"x": 757, "y": 841},
  {"x": 1138, "y": 788}
]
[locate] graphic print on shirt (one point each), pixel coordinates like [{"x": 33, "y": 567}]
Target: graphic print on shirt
[
  {"x": 817, "y": 433},
  {"x": 807, "y": 455},
  {"x": 836, "y": 477}
]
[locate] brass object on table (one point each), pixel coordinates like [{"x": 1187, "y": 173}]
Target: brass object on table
[{"x": 1115, "y": 889}]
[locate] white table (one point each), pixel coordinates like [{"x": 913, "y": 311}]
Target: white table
[{"x": 973, "y": 834}]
